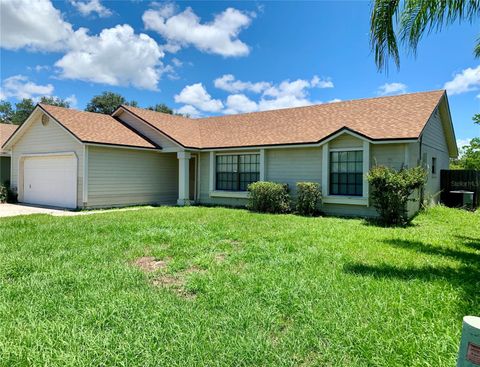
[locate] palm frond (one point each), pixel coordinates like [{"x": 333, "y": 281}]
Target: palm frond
[
  {"x": 417, "y": 18},
  {"x": 383, "y": 40},
  {"x": 476, "y": 51}
]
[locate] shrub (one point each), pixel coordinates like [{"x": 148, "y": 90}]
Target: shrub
[
  {"x": 392, "y": 189},
  {"x": 268, "y": 197},
  {"x": 3, "y": 194},
  {"x": 309, "y": 197}
]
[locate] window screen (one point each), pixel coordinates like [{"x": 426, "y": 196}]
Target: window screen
[
  {"x": 434, "y": 165},
  {"x": 346, "y": 173},
  {"x": 236, "y": 172}
]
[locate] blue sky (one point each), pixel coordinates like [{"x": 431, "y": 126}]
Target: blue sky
[{"x": 208, "y": 58}]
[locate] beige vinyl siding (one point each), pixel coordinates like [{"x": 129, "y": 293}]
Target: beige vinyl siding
[
  {"x": 434, "y": 144},
  {"x": 120, "y": 177},
  {"x": 293, "y": 165},
  {"x": 390, "y": 155},
  {"x": 147, "y": 131},
  {"x": 346, "y": 141},
  {"x": 51, "y": 138}
]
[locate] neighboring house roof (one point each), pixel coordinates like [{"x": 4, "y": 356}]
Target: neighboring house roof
[
  {"x": 383, "y": 118},
  {"x": 6, "y": 130},
  {"x": 89, "y": 127}
]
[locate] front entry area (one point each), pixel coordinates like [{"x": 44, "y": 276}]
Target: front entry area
[{"x": 50, "y": 180}]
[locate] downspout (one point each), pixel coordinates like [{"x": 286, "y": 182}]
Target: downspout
[{"x": 421, "y": 163}]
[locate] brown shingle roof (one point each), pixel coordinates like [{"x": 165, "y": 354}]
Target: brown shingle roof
[
  {"x": 183, "y": 130},
  {"x": 96, "y": 127},
  {"x": 6, "y": 130},
  {"x": 393, "y": 117}
]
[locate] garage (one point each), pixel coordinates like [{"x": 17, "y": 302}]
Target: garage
[{"x": 50, "y": 180}]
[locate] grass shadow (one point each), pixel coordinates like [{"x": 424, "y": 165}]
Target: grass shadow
[
  {"x": 465, "y": 277},
  {"x": 470, "y": 242},
  {"x": 463, "y": 256}
]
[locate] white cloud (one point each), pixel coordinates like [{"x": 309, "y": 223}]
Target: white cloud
[
  {"x": 335, "y": 100},
  {"x": 466, "y": 81},
  {"x": 462, "y": 142},
  {"x": 177, "y": 62},
  {"x": 392, "y": 88},
  {"x": 239, "y": 103},
  {"x": 228, "y": 83},
  {"x": 113, "y": 57},
  {"x": 34, "y": 24},
  {"x": 19, "y": 87},
  {"x": 197, "y": 96},
  {"x": 72, "y": 100},
  {"x": 87, "y": 7},
  {"x": 185, "y": 29},
  {"x": 321, "y": 83},
  {"x": 286, "y": 101},
  {"x": 189, "y": 110}
]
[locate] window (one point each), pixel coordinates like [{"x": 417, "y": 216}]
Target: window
[
  {"x": 434, "y": 165},
  {"x": 346, "y": 173},
  {"x": 236, "y": 172}
]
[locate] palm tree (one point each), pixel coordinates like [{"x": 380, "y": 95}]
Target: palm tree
[{"x": 409, "y": 20}]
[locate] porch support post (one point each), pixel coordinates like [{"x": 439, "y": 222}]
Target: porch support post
[{"x": 183, "y": 178}]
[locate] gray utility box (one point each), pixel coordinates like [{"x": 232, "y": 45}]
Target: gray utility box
[
  {"x": 462, "y": 198},
  {"x": 469, "y": 353}
]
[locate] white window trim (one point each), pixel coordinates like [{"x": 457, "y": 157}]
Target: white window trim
[
  {"x": 232, "y": 194},
  {"x": 229, "y": 194},
  {"x": 342, "y": 199}
]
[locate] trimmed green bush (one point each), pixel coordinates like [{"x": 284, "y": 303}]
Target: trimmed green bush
[
  {"x": 392, "y": 189},
  {"x": 268, "y": 197},
  {"x": 3, "y": 194},
  {"x": 309, "y": 198}
]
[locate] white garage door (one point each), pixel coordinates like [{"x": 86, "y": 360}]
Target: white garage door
[{"x": 50, "y": 180}]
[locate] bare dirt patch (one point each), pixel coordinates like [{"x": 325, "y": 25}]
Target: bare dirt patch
[
  {"x": 149, "y": 264},
  {"x": 176, "y": 282},
  {"x": 220, "y": 257}
]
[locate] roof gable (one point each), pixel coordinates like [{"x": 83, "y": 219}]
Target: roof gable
[{"x": 89, "y": 127}]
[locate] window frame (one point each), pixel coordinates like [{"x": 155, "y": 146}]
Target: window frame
[
  {"x": 237, "y": 184},
  {"x": 434, "y": 166},
  {"x": 358, "y": 181}
]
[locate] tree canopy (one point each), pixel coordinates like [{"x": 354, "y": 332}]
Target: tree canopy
[
  {"x": 161, "y": 107},
  {"x": 17, "y": 114},
  {"x": 107, "y": 103},
  {"x": 407, "y": 21}
]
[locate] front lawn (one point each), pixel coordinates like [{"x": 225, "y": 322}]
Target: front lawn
[{"x": 223, "y": 287}]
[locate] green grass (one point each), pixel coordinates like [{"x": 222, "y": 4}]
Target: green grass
[{"x": 266, "y": 290}]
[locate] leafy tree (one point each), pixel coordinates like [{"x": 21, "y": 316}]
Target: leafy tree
[
  {"x": 470, "y": 157},
  {"x": 107, "y": 103},
  {"x": 55, "y": 101},
  {"x": 24, "y": 108},
  {"x": 476, "y": 118},
  {"x": 161, "y": 107},
  {"x": 414, "y": 18},
  {"x": 6, "y": 112}
]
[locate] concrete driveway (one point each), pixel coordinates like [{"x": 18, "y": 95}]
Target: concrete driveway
[{"x": 11, "y": 210}]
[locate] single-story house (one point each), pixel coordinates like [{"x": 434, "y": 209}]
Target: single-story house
[
  {"x": 6, "y": 130},
  {"x": 74, "y": 159}
]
